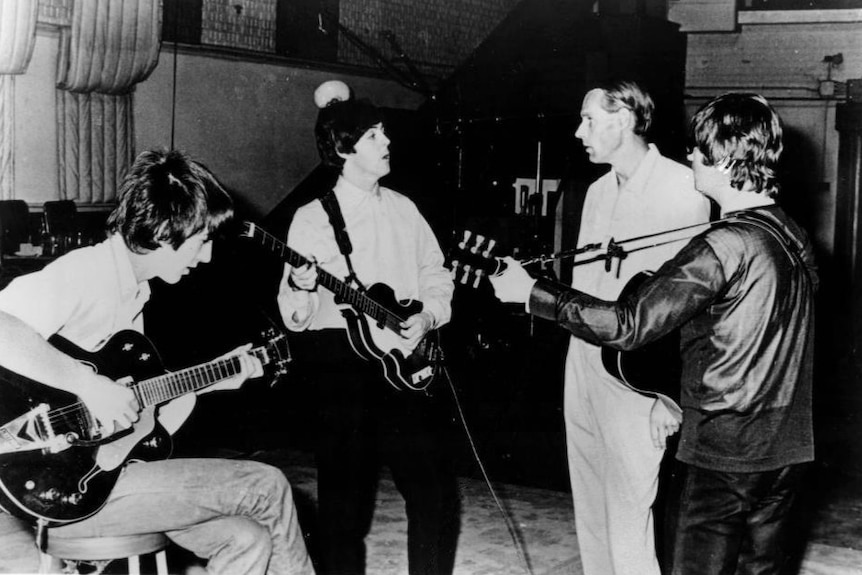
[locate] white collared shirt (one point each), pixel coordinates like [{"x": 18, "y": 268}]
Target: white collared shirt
[
  {"x": 392, "y": 244},
  {"x": 659, "y": 196},
  {"x": 85, "y": 296}
]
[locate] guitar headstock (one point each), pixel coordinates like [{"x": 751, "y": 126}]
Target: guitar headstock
[
  {"x": 472, "y": 259},
  {"x": 275, "y": 352}
]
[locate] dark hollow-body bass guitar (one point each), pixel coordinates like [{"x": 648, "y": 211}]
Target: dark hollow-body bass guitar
[
  {"x": 57, "y": 464},
  {"x": 378, "y": 340}
]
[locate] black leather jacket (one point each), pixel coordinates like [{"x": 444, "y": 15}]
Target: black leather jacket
[{"x": 744, "y": 298}]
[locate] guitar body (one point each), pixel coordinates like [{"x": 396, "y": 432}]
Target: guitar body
[
  {"x": 74, "y": 481},
  {"x": 373, "y": 321},
  {"x": 403, "y": 368},
  {"x": 652, "y": 369}
]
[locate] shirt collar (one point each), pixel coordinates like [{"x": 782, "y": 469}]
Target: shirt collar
[
  {"x": 130, "y": 287},
  {"x": 351, "y": 195},
  {"x": 639, "y": 179}
]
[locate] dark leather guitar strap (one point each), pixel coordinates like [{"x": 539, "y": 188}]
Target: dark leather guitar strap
[
  {"x": 336, "y": 220},
  {"x": 792, "y": 247}
]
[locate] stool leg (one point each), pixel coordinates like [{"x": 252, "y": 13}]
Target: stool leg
[
  {"x": 162, "y": 563},
  {"x": 134, "y": 565},
  {"x": 48, "y": 564}
]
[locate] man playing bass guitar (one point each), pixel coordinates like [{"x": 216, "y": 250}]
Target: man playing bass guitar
[
  {"x": 239, "y": 516},
  {"x": 368, "y": 235}
]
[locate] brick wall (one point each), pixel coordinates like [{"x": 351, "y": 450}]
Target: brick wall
[
  {"x": 435, "y": 34},
  {"x": 249, "y": 24}
]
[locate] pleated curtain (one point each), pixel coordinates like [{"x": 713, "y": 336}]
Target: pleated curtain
[
  {"x": 17, "y": 39},
  {"x": 111, "y": 46}
]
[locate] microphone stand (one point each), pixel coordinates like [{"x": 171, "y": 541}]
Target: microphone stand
[{"x": 615, "y": 248}]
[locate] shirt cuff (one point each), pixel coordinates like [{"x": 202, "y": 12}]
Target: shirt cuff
[{"x": 437, "y": 311}]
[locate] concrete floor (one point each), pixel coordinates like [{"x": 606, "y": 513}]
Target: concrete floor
[{"x": 518, "y": 530}]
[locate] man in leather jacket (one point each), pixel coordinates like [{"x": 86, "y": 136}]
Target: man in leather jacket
[{"x": 742, "y": 294}]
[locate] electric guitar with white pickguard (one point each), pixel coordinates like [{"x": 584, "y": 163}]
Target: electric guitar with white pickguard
[{"x": 58, "y": 465}]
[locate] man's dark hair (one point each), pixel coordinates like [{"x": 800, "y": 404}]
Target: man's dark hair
[
  {"x": 620, "y": 94},
  {"x": 168, "y": 197},
  {"x": 741, "y": 133},
  {"x": 340, "y": 125}
]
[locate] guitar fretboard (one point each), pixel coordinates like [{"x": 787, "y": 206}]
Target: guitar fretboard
[
  {"x": 163, "y": 388},
  {"x": 342, "y": 290}
]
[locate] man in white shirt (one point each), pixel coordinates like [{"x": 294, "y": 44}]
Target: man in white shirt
[
  {"x": 363, "y": 420},
  {"x": 615, "y": 436},
  {"x": 237, "y": 515}
]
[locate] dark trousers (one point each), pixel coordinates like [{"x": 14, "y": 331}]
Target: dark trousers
[
  {"x": 731, "y": 523},
  {"x": 363, "y": 424}
]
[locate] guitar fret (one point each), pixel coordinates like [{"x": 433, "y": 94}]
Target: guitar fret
[
  {"x": 343, "y": 291},
  {"x": 52, "y": 428},
  {"x": 162, "y": 388}
]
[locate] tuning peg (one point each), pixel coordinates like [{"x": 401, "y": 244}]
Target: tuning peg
[
  {"x": 491, "y": 243},
  {"x": 466, "y": 275},
  {"x": 454, "y": 271},
  {"x": 479, "y": 274},
  {"x": 463, "y": 243},
  {"x": 477, "y": 244}
]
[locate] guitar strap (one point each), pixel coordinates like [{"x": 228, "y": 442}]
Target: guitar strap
[
  {"x": 336, "y": 220},
  {"x": 791, "y": 245}
]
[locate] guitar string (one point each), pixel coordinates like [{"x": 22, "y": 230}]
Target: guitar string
[
  {"x": 359, "y": 299},
  {"x": 162, "y": 381}
]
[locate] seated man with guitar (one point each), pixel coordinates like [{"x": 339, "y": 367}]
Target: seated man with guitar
[
  {"x": 369, "y": 380},
  {"x": 80, "y": 440},
  {"x": 743, "y": 294}
]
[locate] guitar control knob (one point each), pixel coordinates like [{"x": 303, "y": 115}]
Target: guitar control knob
[{"x": 29, "y": 485}]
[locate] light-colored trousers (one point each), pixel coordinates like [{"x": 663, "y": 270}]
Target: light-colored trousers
[
  {"x": 238, "y": 515},
  {"x": 613, "y": 466}
]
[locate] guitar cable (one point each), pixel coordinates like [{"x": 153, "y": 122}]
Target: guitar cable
[{"x": 510, "y": 526}]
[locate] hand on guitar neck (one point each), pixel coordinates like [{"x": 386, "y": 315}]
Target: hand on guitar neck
[
  {"x": 58, "y": 462},
  {"x": 653, "y": 369},
  {"x": 304, "y": 279},
  {"x": 473, "y": 259},
  {"x": 394, "y": 333}
]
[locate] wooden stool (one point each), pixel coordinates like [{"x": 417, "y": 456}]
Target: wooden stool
[{"x": 106, "y": 549}]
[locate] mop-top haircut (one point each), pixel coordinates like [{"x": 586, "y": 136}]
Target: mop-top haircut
[
  {"x": 340, "y": 124},
  {"x": 740, "y": 133},
  {"x": 168, "y": 197}
]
